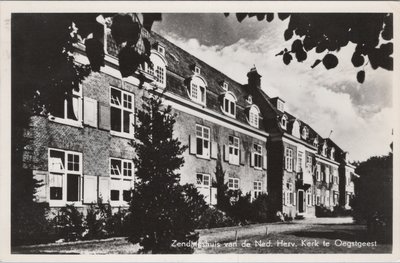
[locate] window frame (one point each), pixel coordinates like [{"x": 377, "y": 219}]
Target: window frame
[
  {"x": 205, "y": 153},
  {"x": 229, "y": 102},
  {"x": 160, "y": 64},
  {"x": 288, "y": 159},
  {"x": 234, "y": 146},
  {"x": 202, "y": 185},
  {"x": 65, "y": 119},
  {"x": 123, "y": 109},
  {"x": 258, "y": 156},
  {"x": 121, "y": 178},
  {"x": 257, "y": 188},
  {"x": 254, "y": 116},
  {"x": 233, "y": 183},
  {"x": 64, "y": 172},
  {"x": 283, "y": 122},
  {"x": 199, "y": 89}
]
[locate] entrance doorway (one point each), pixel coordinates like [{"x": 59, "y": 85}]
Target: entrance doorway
[{"x": 301, "y": 201}]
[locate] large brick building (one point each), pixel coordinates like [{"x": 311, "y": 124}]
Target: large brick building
[{"x": 82, "y": 151}]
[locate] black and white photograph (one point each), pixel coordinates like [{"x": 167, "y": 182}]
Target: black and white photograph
[{"x": 249, "y": 130}]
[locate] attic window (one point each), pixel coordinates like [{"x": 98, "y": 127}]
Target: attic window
[
  {"x": 332, "y": 153},
  {"x": 225, "y": 85},
  {"x": 284, "y": 122},
  {"x": 304, "y": 133},
  {"x": 315, "y": 143},
  {"x": 196, "y": 70},
  {"x": 161, "y": 49},
  {"x": 250, "y": 99},
  {"x": 324, "y": 149}
]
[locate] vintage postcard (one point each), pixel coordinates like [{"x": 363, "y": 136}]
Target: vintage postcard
[{"x": 199, "y": 131}]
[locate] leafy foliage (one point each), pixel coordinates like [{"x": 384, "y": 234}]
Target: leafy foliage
[
  {"x": 373, "y": 201},
  {"x": 44, "y": 74},
  {"x": 372, "y": 33},
  {"x": 161, "y": 210},
  {"x": 70, "y": 223},
  {"x": 212, "y": 218}
]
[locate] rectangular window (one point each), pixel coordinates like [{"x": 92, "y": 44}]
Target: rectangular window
[
  {"x": 65, "y": 176},
  {"x": 121, "y": 173},
  {"x": 203, "y": 180},
  {"x": 257, "y": 155},
  {"x": 122, "y": 111},
  {"x": 309, "y": 164},
  {"x": 299, "y": 162},
  {"x": 309, "y": 200},
  {"x": 318, "y": 172},
  {"x": 257, "y": 187},
  {"x": 289, "y": 159},
  {"x": 69, "y": 109},
  {"x": 327, "y": 174},
  {"x": 233, "y": 150},
  {"x": 233, "y": 183},
  {"x": 203, "y": 141},
  {"x": 160, "y": 74},
  {"x": 254, "y": 119}
]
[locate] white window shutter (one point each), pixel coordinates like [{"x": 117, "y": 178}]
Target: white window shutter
[
  {"x": 251, "y": 159},
  {"x": 89, "y": 189},
  {"x": 214, "y": 192},
  {"x": 90, "y": 111},
  {"x": 41, "y": 192},
  {"x": 294, "y": 199},
  {"x": 264, "y": 162},
  {"x": 242, "y": 157},
  {"x": 214, "y": 150},
  {"x": 226, "y": 153},
  {"x": 192, "y": 144},
  {"x": 104, "y": 189}
]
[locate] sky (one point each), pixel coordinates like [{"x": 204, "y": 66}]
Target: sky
[{"x": 359, "y": 115}]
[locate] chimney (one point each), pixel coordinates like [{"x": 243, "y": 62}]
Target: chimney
[{"x": 254, "y": 79}]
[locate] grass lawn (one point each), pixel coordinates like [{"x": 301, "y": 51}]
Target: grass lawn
[{"x": 291, "y": 242}]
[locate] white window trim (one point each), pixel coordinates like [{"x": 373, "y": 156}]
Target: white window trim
[
  {"x": 258, "y": 191},
  {"x": 206, "y": 154},
  {"x": 259, "y": 154},
  {"x": 235, "y": 181},
  {"x": 233, "y": 158},
  {"x": 121, "y": 177},
  {"x": 75, "y": 123},
  {"x": 202, "y": 185},
  {"x": 255, "y": 111},
  {"x": 122, "y": 134},
  {"x": 318, "y": 172},
  {"x": 234, "y": 100},
  {"x": 283, "y": 122},
  {"x": 64, "y": 172},
  {"x": 288, "y": 159}
]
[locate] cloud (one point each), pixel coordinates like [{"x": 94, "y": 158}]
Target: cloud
[{"x": 359, "y": 115}]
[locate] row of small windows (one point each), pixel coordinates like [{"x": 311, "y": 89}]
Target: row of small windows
[
  {"x": 319, "y": 198},
  {"x": 66, "y": 179},
  {"x": 202, "y": 147}
]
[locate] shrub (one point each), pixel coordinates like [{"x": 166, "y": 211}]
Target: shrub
[
  {"x": 259, "y": 207},
  {"x": 69, "y": 223},
  {"x": 213, "y": 217},
  {"x": 97, "y": 221}
]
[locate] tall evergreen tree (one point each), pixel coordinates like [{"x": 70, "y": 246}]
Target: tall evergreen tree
[{"x": 161, "y": 210}]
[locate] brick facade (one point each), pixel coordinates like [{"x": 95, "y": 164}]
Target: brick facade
[{"x": 97, "y": 144}]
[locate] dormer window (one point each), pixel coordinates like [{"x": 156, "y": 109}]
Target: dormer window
[
  {"x": 159, "y": 69},
  {"x": 197, "y": 90},
  {"x": 280, "y": 106},
  {"x": 284, "y": 122},
  {"x": 229, "y": 104},
  {"x": 254, "y": 116},
  {"x": 197, "y": 70},
  {"x": 304, "y": 133},
  {"x": 324, "y": 149},
  {"x": 249, "y": 99},
  {"x": 161, "y": 50},
  {"x": 332, "y": 153},
  {"x": 296, "y": 129},
  {"x": 315, "y": 143},
  {"x": 225, "y": 85}
]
